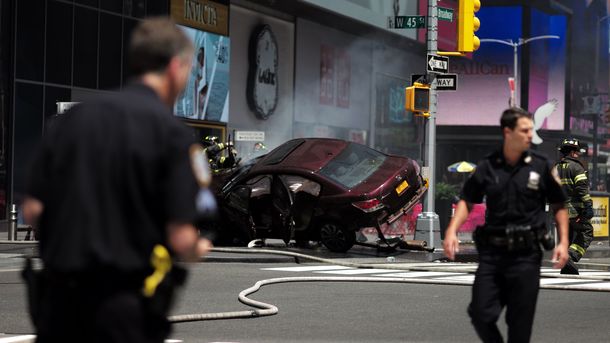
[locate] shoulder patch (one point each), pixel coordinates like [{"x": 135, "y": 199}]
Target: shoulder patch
[{"x": 200, "y": 165}]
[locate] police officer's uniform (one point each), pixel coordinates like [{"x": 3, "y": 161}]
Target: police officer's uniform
[
  {"x": 509, "y": 253},
  {"x": 109, "y": 188},
  {"x": 579, "y": 203}
]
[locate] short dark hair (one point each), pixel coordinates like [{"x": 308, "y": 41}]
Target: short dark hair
[
  {"x": 154, "y": 42},
  {"x": 510, "y": 117}
]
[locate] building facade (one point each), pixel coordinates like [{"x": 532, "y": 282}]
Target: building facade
[{"x": 286, "y": 69}]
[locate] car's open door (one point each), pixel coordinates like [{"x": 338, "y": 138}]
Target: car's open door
[
  {"x": 238, "y": 210},
  {"x": 281, "y": 209}
]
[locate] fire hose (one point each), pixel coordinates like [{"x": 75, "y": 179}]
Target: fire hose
[{"x": 261, "y": 309}]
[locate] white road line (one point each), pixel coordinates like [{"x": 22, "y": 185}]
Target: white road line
[
  {"x": 356, "y": 271},
  {"x": 10, "y": 270},
  {"x": 21, "y": 339},
  {"x": 421, "y": 274},
  {"x": 307, "y": 269},
  {"x": 457, "y": 278}
]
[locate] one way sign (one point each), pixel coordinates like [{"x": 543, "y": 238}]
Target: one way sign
[
  {"x": 446, "y": 82},
  {"x": 438, "y": 64}
]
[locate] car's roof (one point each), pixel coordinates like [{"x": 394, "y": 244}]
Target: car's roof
[{"x": 308, "y": 154}]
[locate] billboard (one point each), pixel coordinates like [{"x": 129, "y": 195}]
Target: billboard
[
  {"x": 206, "y": 95},
  {"x": 484, "y": 90}
]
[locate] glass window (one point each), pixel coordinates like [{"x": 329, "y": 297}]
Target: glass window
[
  {"x": 157, "y": 8},
  {"x": 135, "y": 8},
  {"x": 59, "y": 43},
  {"x": 115, "y": 6},
  {"x": 28, "y": 130},
  {"x": 30, "y": 40},
  {"x": 260, "y": 185},
  {"x": 128, "y": 26},
  {"x": 353, "y": 165},
  {"x": 110, "y": 51},
  {"x": 88, "y": 2},
  {"x": 85, "y": 47},
  {"x": 277, "y": 155}
]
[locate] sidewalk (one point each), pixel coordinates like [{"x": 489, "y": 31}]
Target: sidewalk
[{"x": 597, "y": 256}]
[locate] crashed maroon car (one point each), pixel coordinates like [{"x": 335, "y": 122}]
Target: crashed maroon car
[{"x": 317, "y": 189}]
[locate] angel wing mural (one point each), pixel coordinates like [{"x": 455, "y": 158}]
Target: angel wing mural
[{"x": 540, "y": 116}]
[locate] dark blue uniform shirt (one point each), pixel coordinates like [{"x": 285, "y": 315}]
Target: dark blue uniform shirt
[
  {"x": 514, "y": 194},
  {"x": 111, "y": 174}
]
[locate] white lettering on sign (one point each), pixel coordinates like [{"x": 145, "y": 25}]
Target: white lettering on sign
[
  {"x": 437, "y": 64},
  {"x": 250, "y": 136},
  {"x": 445, "y": 82}
]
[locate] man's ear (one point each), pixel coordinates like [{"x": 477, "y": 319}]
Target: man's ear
[{"x": 505, "y": 131}]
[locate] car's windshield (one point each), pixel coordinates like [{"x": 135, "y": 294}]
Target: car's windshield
[{"x": 353, "y": 165}]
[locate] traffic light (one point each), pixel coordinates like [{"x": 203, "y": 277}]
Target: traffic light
[
  {"x": 417, "y": 98},
  {"x": 468, "y": 24}
]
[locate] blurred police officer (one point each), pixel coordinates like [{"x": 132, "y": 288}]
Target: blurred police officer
[
  {"x": 516, "y": 183},
  {"x": 580, "y": 206},
  {"x": 113, "y": 191}
]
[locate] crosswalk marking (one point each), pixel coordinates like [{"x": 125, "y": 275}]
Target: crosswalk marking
[
  {"x": 420, "y": 274},
  {"x": 355, "y": 271},
  {"x": 452, "y": 272},
  {"x": 307, "y": 268}
]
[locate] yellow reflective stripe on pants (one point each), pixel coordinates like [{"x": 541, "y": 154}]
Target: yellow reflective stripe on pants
[{"x": 578, "y": 249}]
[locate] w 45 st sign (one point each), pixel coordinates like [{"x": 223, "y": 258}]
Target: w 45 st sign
[{"x": 407, "y": 22}]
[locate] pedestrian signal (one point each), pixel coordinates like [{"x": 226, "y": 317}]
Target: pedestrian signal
[{"x": 417, "y": 99}]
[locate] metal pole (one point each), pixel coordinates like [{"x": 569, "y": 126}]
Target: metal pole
[
  {"x": 429, "y": 219},
  {"x": 12, "y": 223},
  {"x": 431, "y": 136},
  {"x": 515, "y": 58},
  {"x": 595, "y": 148}
]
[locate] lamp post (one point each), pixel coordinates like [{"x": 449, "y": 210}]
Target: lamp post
[
  {"x": 599, "y": 21},
  {"x": 515, "y": 46}
]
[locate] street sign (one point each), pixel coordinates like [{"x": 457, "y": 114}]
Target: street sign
[
  {"x": 250, "y": 136},
  {"x": 417, "y": 78},
  {"x": 407, "y": 22},
  {"x": 445, "y": 14},
  {"x": 437, "y": 64},
  {"x": 446, "y": 82}
]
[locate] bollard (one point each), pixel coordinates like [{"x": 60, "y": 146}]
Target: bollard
[{"x": 12, "y": 223}]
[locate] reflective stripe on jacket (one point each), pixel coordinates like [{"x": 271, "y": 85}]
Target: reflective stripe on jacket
[{"x": 576, "y": 185}]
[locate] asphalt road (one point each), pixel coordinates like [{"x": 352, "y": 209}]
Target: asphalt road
[{"x": 337, "y": 311}]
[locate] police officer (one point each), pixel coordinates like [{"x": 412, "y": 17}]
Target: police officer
[
  {"x": 516, "y": 183},
  {"x": 113, "y": 190},
  {"x": 214, "y": 151},
  {"x": 580, "y": 206}
]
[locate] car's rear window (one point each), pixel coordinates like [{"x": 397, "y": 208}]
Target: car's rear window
[
  {"x": 353, "y": 165},
  {"x": 278, "y": 154}
]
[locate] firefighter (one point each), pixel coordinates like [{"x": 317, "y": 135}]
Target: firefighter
[
  {"x": 214, "y": 149},
  {"x": 580, "y": 206}
]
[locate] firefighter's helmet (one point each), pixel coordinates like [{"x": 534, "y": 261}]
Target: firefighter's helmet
[
  {"x": 571, "y": 144},
  {"x": 210, "y": 140}
]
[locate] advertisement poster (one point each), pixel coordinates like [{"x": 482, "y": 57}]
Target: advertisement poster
[
  {"x": 206, "y": 96},
  {"x": 343, "y": 78},
  {"x": 600, "y": 219},
  {"x": 327, "y": 75}
]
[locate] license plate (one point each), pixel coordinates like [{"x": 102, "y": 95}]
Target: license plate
[{"x": 401, "y": 188}]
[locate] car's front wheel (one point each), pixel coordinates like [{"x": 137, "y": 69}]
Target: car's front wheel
[{"x": 337, "y": 237}]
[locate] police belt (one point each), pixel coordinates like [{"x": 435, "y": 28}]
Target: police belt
[{"x": 509, "y": 237}]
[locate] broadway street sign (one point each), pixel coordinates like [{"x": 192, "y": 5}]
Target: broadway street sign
[{"x": 446, "y": 82}]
